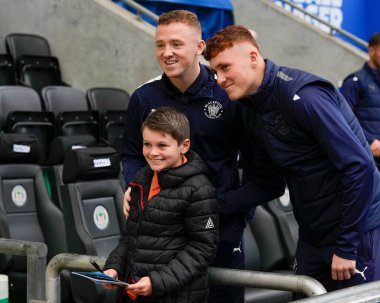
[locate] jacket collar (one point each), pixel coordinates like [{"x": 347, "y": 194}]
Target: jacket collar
[
  {"x": 375, "y": 73},
  {"x": 259, "y": 100},
  {"x": 200, "y": 88}
]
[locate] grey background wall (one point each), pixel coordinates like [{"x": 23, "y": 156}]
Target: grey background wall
[
  {"x": 290, "y": 41},
  {"x": 100, "y": 44},
  {"x": 97, "y": 42}
]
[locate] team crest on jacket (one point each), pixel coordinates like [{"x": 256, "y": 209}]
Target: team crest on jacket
[{"x": 213, "y": 109}]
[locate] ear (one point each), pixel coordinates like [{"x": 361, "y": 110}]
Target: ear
[
  {"x": 185, "y": 146},
  {"x": 200, "y": 47},
  {"x": 253, "y": 57}
]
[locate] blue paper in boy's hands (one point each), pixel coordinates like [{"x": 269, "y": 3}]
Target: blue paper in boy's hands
[{"x": 100, "y": 278}]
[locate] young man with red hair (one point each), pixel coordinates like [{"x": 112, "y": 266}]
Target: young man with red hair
[{"x": 304, "y": 127}]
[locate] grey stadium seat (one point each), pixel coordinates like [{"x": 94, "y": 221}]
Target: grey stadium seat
[
  {"x": 73, "y": 114},
  {"x": 27, "y": 210},
  {"x": 111, "y": 103}
]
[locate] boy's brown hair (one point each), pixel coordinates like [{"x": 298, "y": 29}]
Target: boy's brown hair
[
  {"x": 168, "y": 120},
  {"x": 180, "y": 16},
  {"x": 226, "y": 38}
]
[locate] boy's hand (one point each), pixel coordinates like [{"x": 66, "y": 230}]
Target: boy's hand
[
  {"x": 127, "y": 199},
  {"x": 112, "y": 273},
  {"x": 342, "y": 269},
  {"x": 142, "y": 288}
]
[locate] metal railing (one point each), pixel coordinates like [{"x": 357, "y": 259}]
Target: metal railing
[
  {"x": 141, "y": 10},
  {"x": 35, "y": 253},
  {"x": 219, "y": 276},
  {"x": 368, "y": 292},
  {"x": 333, "y": 29}
]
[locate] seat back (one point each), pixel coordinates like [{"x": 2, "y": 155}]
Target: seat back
[
  {"x": 282, "y": 212},
  {"x": 39, "y": 71},
  {"x": 111, "y": 103},
  {"x": 92, "y": 199},
  {"x": 73, "y": 114},
  {"x": 264, "y": 229},
  {"x": 21, "y": 44},
  {"x": 29, "y": 213},
  {"x": 7, "y": 70},
  {"x": 58, "y": 149},
  {"x": 21, "y": 112}
]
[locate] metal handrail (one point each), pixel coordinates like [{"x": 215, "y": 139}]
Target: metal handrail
[
  {"x": 36, "y": 253},
  {"x": 141, "y": 10},
  {"x": 333, "y": 29},
  {"x": 219, "y": 276},
  {"x": 368, "y": 292}
]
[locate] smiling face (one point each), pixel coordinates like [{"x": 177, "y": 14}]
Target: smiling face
[
  {"x": 161, "y": 150},
  {"x": 178, "y": 46},
  {"x": 239, "y": 70}
]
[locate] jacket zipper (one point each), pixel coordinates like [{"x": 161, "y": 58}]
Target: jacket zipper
[{"x": 141, "y": 209}]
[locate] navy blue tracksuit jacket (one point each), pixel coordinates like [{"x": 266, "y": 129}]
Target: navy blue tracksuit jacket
[{"x": 301, "y": 126}]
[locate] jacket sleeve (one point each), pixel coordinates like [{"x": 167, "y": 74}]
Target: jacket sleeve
[
  {"x": 261, "y": 180},
  {"x": 117, "y": 258},
  {"x": 319, "y": 112},
  {"x": 131, "y": 153},
  {"x": 202, "y": 224}
]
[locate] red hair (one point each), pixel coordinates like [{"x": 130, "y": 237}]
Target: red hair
[{"x": 226, "y": 38}]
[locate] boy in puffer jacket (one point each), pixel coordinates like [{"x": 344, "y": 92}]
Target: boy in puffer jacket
[{"x": 171, "y": 234}]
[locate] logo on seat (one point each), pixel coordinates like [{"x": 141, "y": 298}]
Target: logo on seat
[
  {"x": 101, "y": 218},
  {"x": 19, "y": 195}
]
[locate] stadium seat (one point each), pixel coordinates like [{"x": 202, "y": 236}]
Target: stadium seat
[
  {"x": 20, "y": 44},
  {"x": 57, "y": 151},
  {"x": 38, "y": 72},
  {"x": 282, "y": 212},
  {"x": 21, "y": 112},
  {"x": 35, "y": 66},
  {"x": 263, "y": 252},
  {"x": 72, "y": 112},
  {"x": 7, "y": 71},
  {"x": 29, "y": 213},
  {"x": 92, "y": 199},
  {"x": 111, "y": 103}
]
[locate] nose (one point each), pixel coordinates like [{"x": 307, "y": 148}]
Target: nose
[
  {"x": 167, "y": 51},
  {"x": 220, "y": 79}
]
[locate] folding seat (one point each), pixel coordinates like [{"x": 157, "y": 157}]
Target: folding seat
[
  {"x": 35, "y": 65},
  {"x": 282, "y": 211},
  {"x": 21, "y": 112},
  {"x": 20, "y": 44},
  {"x": 111, "y": 103},
  {"x": 28, "y": 213},
  {"x": 72, "y": 112},
  {"x": 264, "y": 252},
  {"x": 7, "y": 71}
]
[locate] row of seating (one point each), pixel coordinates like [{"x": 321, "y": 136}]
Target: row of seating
[
  {"x": 26, "y": 59},
  {"x": 64, "y": 111}
]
